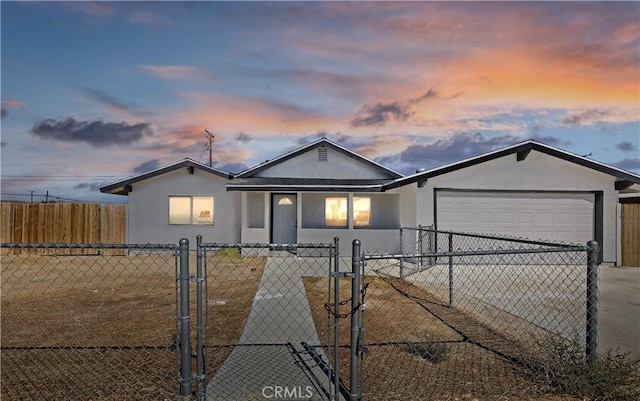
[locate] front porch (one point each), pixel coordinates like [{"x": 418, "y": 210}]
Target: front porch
[{"x": 318, "y": 217}]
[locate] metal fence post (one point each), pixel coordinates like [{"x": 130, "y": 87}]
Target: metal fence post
[
  {"x": 185, "y": 345},
  {"x": 450, "y": 270},
  {"x": 593, "y": 255},
  {"x": 336, "y": 321},
  {"x": 200, "y": 373},
  {"x": 401, "y": 252},
  {"x": 420, "y": 249},
  {"x": 356, "y": 262}
]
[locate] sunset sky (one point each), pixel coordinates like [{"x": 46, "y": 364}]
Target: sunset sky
[{"x": 93, "y": 92}]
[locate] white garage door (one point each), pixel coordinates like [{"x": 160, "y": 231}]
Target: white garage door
[{"x": 566, "y": 217}]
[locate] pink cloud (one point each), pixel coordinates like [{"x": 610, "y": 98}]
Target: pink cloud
[
  {"x": 518, "y": 53},
  {"x": 92, "y": 8},
  {"x": 173, "y": 71},
  {"x": 259, "y": 116},
  {"x": 586, "y": 117},
  {"x": 147, "y": 18},
  {"x": 13, "y": 103},
  {"x": 383, "y": 145}
]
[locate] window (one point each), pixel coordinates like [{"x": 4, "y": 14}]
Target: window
[
  {"x": 255, "y": 210},
  {"x": 195, "y": 210},
  {"x": 361, "y": 211},
  {"x": 376, "y": 211},
  {"x": 285, "y": 201},
  {"x": 313, "y": 210},
  {"x": 335, "y": 212}
]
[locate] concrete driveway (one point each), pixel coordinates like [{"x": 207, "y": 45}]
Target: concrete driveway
[{"x": 619, "y": 312}]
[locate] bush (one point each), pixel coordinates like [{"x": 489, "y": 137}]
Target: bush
[
  {"x": 233, "y": 252},
  {"x": 611, "y": 376}
]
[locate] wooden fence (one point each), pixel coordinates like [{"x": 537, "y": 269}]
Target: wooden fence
[
  {"x": 63, "y": 223},
  {"x": 631, "y": 234}
]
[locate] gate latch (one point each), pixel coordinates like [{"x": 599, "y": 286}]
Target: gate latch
[{"x": 341, "y": 274}]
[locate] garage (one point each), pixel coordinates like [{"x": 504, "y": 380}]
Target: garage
[{"x": 557, "y": 216}]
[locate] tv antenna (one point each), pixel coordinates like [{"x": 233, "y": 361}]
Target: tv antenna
[{"x": 209, "y": 146}]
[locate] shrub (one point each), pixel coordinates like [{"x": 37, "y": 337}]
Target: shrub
[
  {"x": 431, "y": 351},
  {"x": 611, "y": 376},
  {"x": 233, "y": 252}
]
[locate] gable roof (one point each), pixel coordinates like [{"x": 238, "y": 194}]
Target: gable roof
[
  {"x": 522, "y": 150},
  {"x": 314, "y": 145},
  {"x": 123, "y": 187}
]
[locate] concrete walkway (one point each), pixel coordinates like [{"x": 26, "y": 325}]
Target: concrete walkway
[{"x": 270, "y": 362}]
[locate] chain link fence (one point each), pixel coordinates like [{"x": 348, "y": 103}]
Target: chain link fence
[
  {"x": 466, "y": 315},
  {"x": 214, "y": 321},
  {"x": 89, "y": 322},
  {"x": 453, "y": 315}
]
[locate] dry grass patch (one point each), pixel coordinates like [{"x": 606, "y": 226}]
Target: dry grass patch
[
  {"x": 88, "y": 300},
  {"x": 232, "y": 284},
  {"x": 397, "y": 314},
  {"x": 382, "y": 305},
  {"x": 89, "y": 374},
  {"x": 103, "y": 327}
]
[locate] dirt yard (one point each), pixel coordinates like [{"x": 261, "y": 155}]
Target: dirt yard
[
  {"x": 471, "y": 370},
  {"x": 103, "y": 327}
]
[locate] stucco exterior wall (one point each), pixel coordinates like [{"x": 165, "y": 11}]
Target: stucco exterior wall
[
  {"x": 148, "y": 208},
  {"x": 408, "y": 205},
  {"x": 538, "y": 172},
  {"x": 380, "y": 241},
  {"x": 337, "y": 166}
]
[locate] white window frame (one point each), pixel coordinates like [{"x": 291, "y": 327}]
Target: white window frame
[
  {"x": 191, "y": 217},
  {"x": 368, "y": 225},
  {"x": 346, "y": 224}
]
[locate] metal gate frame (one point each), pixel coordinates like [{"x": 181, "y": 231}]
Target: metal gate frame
[
  {"x": 356, "y": 316},
  {"x": 337, "y": 390}
]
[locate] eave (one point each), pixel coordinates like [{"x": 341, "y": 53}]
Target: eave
[
  {"x": 305, "y": 185},
  {"x": 124, "y": 187},
  {"x": 521, "y": 150}
]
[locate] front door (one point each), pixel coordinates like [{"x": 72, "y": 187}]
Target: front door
[{"x": 284, "y": 212}]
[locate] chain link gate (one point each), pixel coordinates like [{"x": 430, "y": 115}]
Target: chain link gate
[
  {"x": 258, "y": 325},
  {"x": 337, "y": 335}
]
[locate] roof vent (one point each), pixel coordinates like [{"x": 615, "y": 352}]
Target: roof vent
[
  {"x": 322, "y": 154},
  {"x": 420, "y": 170}
]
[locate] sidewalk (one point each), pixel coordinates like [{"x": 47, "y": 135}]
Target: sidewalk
[{"x": 270, "y": 358}]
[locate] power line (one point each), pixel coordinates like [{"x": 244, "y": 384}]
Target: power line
[
  {"x": 45, "y": 163},
  {"x": 31, "y": 195},
  {"x": 58, "y": 178}
]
